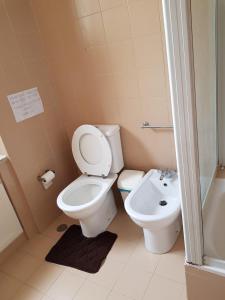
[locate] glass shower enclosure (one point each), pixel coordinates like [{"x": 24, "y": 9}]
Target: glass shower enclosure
[{"x": 195, "y": 42}]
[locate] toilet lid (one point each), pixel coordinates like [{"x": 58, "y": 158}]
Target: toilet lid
[{"x": 91, "y": 151}]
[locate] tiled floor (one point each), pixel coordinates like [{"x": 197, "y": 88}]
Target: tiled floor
[{"x": 129, "y": 272}]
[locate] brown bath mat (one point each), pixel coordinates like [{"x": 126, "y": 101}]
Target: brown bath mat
[{"x": 76, "y": 251}]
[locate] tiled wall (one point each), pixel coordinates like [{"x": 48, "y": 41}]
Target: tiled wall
[
  {"x": 40, "y": 142},
  {"x": 93, "y": 61},
  {"x": 107, "y": 58}
]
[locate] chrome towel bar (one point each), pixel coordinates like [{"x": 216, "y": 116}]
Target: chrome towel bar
[{"x": 148, "y": 125}]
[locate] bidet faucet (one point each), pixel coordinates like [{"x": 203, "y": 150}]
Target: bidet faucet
[
  {"x": 166, "y": 174},
  {"x": 162, "y": 174}
]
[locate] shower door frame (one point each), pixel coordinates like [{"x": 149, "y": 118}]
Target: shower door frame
[{"x": 179, "y": 48}]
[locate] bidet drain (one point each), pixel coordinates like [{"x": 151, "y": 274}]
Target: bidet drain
[
  {"x": 61, "y": 227},
  {"x": 162, "y": 202}
]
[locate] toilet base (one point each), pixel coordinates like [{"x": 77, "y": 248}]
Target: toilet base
[
  {"x": 162, "y": 240},
  {"x": 99, "y": 221}
]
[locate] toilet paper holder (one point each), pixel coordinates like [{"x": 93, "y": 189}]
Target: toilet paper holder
[
  {"x": 39, "y": 177},
  {"x": 46, "y": 179}
]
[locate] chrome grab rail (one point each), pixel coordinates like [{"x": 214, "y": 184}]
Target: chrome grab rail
[{"x": 148, "y": 125}]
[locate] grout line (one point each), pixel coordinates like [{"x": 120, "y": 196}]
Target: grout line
[
  {"x": 170, "y": 279},
  {"x": 85, "y": 280},
  {"x": 148, "y": 285}
]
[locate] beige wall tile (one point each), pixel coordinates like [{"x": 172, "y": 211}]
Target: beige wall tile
[
  {"x": 144, "y": 17},
  {"x": 119, "y": 75},
  {"x": 127, "y": 85},
  {"x": 107, "y": 4},
  {"x": 30, "y": 45},
  {"x": 24, "y": 65},
  {"x": 16, "y": 76},
  {"x": 8, "y": 45},
  {"x": 98, "y": 60},
  {"x": 21, "y": 16},
  {"x": 145, "y": 45},
  {"x": 86, "y": 7},
  {"x": 116, "y": 23},
  {"x": 121, "y": 55},
  {"x": 92, "y": 29},
  {"x": 150, "y": 85},
  {"x": 156, "y": 111}
]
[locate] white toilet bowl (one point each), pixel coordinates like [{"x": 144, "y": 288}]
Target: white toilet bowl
[
  {"x": 155, "y": 206},
  {"x": 89, "y": 199},
  {"x": 98, "y": 153}
]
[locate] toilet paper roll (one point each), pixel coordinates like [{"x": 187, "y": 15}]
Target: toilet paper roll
[{"x": 48, "y": 176}]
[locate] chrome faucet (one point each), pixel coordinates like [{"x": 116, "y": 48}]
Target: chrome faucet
[
  {"x": 166, "y": 174},
  {"x": 162, "y": 174}
]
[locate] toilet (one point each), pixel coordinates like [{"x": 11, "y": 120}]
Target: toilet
[
  {"x": 154, "y": 205},
  {"x": 98, "y": 153}
]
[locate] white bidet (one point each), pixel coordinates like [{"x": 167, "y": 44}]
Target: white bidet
[{"x": 155, "y": 206}]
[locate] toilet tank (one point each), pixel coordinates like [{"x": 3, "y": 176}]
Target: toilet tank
[{"x": 112, "y": 133}]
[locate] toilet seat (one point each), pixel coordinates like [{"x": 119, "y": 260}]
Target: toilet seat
[
  {"x": 91, "y": 151},
  {"x": 72, "y": 198}
]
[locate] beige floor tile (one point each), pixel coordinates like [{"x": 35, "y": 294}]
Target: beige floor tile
[
  {"x": 38, "y": 246},
  {"x": 45, "y": 297},
  {"x": 125, "y": 227},
  {"x": 184, "y": 294},
  {"x": 122, "y": 250},
  {"x": 66, "y": 286},
  {"x": 27, "y": 293},
  {"x": 92, "y": 291},
  {"x": 76, "y": 272},
  {"x": 161, "y": 288},
  {"x": 132, "y": 283},
  {"x": 172, "y": 266},
  {"x": 130, "y": 272},
  {"x": 178, "y": 248},
  {"x": 143, "y": 259},
  {"x": 8, "y": 286},
  {"x": 117, "y": 296},
  {"x": 45, "y": 276},
  {"x": 108, "y": 273},
  {"x": 51, "y": 231},
  {"x": 20, "y": 265}
]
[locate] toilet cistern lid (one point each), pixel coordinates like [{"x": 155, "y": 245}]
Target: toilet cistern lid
[{"x": 91, "y": 151}]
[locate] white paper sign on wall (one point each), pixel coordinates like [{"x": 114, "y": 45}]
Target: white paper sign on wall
[{"x": 26, "y": 104}]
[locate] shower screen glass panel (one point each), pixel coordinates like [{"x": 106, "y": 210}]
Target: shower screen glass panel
[
  {"x": 208, "y": 26},
  {"x": 204, "y": 45}
]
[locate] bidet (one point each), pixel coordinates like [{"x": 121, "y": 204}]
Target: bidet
[{"x": 155, "y": 206}]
